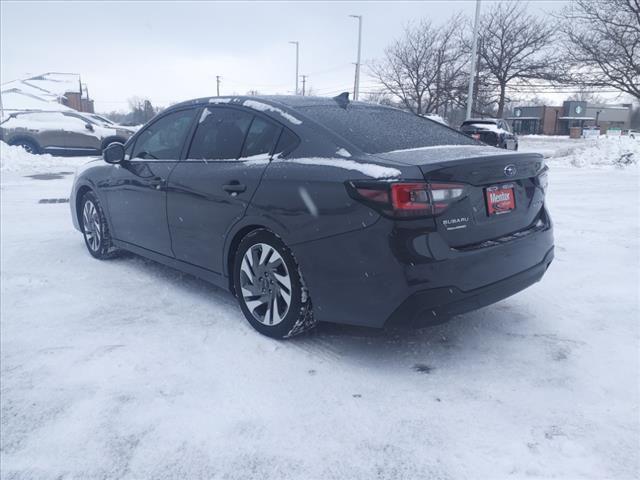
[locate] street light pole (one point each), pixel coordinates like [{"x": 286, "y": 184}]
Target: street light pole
[
  {"x": 472, "y": 68},
  {"x": 297, "y": 44},
  {"x": 356, "y": 83}
]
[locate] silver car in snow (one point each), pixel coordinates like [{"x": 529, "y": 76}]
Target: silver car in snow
[{"x": 61, "y": 133}]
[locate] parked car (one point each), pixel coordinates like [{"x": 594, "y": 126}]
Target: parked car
[
  {"x": 61, "y": 133},
  {"x": 632, "y": 133},
  {"x": 314, "y": 209},
  {"x": 491, "y": 131}
]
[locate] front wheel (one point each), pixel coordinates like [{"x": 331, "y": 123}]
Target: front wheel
[
  {"x": 94, "y": 227},
  {"x": 270, "y": 288},
  {"x": 28, "y": 146}
]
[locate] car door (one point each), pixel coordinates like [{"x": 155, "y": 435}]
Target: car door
[
  {"x": 81, "y": 133},
  {"x": 137, "y": 188},
  {"x": 46, "y": 127},
  {"x": 210, "y": 190}
]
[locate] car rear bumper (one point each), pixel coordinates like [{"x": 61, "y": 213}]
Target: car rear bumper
[
  {"x": 366, "y": 278},
  {"x": 437, "y": 305}
]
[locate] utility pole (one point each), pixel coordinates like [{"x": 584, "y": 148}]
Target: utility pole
[
  {"x": 304, "y": 83},
  {"x": 472, "y": 68},
  {"x": 218, "y": 77},
  {"x": 356, "y": 83},
  {"x": 297, "y": 44}
]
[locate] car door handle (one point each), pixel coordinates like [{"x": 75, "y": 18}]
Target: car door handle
[
  {"x": 234, "y": 187},
  {"x": 157, "y": 183}
]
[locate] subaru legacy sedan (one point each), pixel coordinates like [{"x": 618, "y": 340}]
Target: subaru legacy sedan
[{"x": 321, "y": 210}]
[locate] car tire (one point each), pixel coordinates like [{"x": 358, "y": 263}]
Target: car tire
[
  {"x": 270, "y": 288},
  {"x": 28, "y": 145},
  {"x": 95, "y": 228}
]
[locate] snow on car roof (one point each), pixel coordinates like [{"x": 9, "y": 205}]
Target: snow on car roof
[
  {"x": 481, "y": 120},
  {"x": 488, "y": 126}
]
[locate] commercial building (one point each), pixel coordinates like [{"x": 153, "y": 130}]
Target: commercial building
[{"x": 552, "y": 120}]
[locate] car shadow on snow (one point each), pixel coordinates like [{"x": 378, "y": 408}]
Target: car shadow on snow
[{"x": 420, "y": 348}]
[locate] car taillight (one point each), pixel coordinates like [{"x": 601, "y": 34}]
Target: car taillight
[{"x": 407, "y": 199}]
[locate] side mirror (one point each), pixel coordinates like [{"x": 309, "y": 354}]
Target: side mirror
[
  {"x": 114, "y": 153},
  {"x": 88, "y": 126}
]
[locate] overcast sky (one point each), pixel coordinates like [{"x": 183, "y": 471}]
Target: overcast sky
[{"x": 170, "y": 52}]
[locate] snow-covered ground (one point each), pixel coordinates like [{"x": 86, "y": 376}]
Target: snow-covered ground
[{"x": 128, "y": 369}]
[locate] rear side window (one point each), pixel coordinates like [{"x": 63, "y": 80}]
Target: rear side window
[
  {"x": 287, "y": 142},
  {"x": 377, "y": 129},
  {"x": 261, "y": 138},
  {"x": 164, "y": 139},
  {"x": 220, "y": 134}
]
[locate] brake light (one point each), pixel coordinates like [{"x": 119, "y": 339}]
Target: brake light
[
  {"x": 407, "y": 199},
  {"x": 409, "y": 196}
]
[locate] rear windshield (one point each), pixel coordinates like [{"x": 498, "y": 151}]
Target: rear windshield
[{"x": 376, "y": 129}]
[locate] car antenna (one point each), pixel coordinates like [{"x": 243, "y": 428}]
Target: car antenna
[{"x": 342, "y": 99}]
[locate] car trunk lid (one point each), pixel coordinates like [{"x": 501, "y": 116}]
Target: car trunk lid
[{"x": 501, "y": 191}]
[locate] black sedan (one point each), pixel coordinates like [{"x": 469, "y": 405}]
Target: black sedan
[{"x": 321, "y": 209}]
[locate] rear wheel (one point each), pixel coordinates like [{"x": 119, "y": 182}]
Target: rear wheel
[
  {"x": 270, "y": 288},
  {"x": 95, "y": 228},
  {"x": 28, "y": 145}
]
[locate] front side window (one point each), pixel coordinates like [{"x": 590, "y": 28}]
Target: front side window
[
  {"x": 261, "y": 138},
  {"x": 163, "y": 140},
  {"x": 220, "y": 134}
]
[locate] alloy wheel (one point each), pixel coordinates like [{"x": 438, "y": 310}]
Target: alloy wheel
[
  {"x": 265, "y": 284},
  {"x": 91, "y": 224}
]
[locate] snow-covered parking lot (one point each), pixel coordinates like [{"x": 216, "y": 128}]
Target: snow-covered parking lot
[{"x": 128, "y": 369}]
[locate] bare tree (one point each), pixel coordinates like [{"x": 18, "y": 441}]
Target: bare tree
[
  {"x": 588, "y": 96},
  {"x": 421, "y": 68},
  {"x": 379, "y": 96},
  {"x": 141, "y": 110},
  {"x": 602, "y": 43},
  {"x": 514, "y": 48}
]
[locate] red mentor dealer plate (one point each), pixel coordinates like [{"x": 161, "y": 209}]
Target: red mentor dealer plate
[{"x": 500, "y": 199}]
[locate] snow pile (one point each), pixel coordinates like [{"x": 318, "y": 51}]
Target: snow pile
[
  {"x": 17, "y": 160},
  {"x": 620, "y": 152},
  {"x": 602, "y": 151}
]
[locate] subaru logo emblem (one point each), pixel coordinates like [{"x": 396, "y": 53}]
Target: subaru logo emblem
[{"x": 510, "y": 170}]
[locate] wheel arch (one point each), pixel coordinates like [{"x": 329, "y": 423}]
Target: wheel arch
[
  {"x": 233, "y": 248},
  {"x": 23, "y": 137},
  {"x": 82, "y": 191}
]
